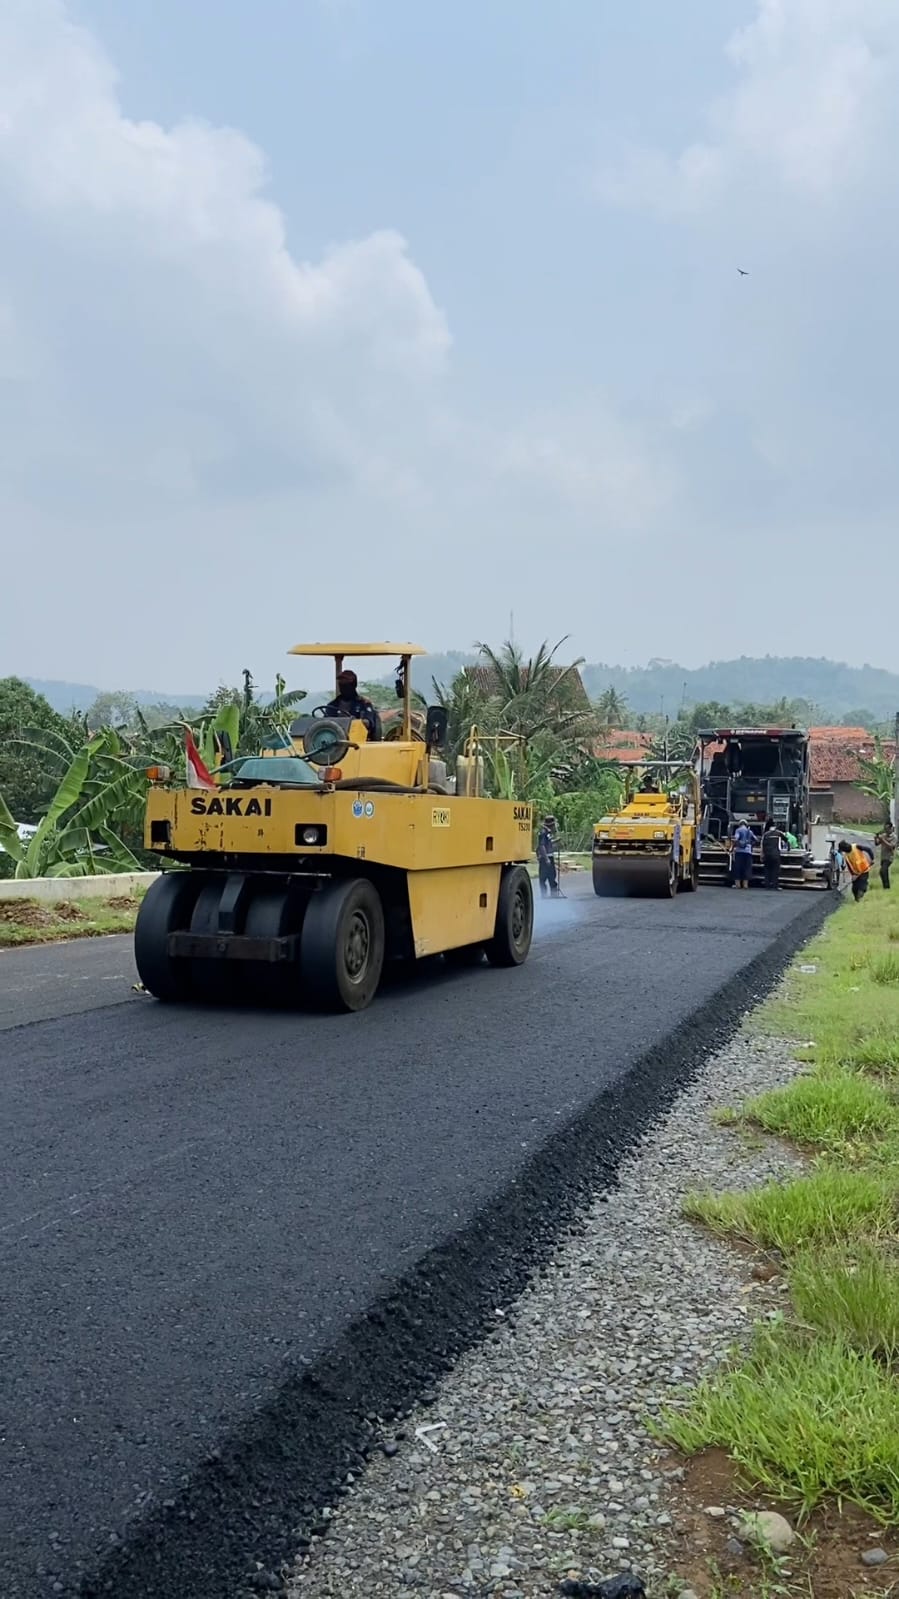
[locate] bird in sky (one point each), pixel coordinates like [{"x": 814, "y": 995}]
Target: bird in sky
[{"x": 742, "y": 273}]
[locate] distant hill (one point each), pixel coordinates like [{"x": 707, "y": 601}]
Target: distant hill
[
  {"x": 66, "y": 697},
  {"x": 836, "y": 689},
  {"x": 866, "y": 693}
]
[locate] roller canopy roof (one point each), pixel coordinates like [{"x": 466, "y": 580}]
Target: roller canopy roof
[{"x": 357, "y": 649}]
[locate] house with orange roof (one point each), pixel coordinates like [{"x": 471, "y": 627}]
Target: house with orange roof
[
  {"x": 624, "y": 745},
  {"x": 836, "y": 773}
]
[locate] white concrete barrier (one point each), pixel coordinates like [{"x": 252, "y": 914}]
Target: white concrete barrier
[{"x": 50, "y": 890}]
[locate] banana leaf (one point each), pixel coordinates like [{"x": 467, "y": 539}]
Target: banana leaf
[
  {"x": 225, "y": 720},
  {"x": 120, "y": 858},
  {"x": 48, "y": 737},
  {"x": 43, "y": 853},
  {"x": 97, "y": 811},
  {"x": 70, "y": 789},
  {"x": 9, "y": 832},
  {"x": 502, "y": 774}
]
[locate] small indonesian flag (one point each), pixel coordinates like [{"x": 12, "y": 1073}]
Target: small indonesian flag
[{"x": 197, "y": 774}]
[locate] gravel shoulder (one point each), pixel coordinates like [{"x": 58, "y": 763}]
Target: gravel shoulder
[{"x": 539, "y": 1466}]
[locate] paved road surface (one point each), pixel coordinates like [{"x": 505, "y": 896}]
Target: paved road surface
[{"x": 195, "y": 1203}]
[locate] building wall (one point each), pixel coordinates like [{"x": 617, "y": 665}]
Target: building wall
[{"x": 851, "y": 805}]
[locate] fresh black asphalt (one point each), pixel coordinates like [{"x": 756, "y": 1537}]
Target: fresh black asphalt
[{"x": 227, "y": 1236}]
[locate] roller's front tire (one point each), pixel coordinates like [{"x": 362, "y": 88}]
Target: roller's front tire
[{"x": 167, "y": 908}]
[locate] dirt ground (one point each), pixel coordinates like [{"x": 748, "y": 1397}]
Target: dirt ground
[
  {"x": 824, "y": 1563},
  {"x": 31, "y": 921}
]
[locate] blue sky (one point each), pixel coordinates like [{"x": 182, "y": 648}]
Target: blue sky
[{"x": 380, "y": 317}]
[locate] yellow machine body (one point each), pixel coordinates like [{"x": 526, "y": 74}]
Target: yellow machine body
[
  {"x": 452, "y": 850},
  {"x": 376, "y": 828},
  {"x": 650, "y": 846}
]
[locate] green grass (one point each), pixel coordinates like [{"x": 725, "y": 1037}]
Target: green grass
[
  {"x": 871, "y": 1052},
  {"x": 827, "y": 1205},
  {"x": 571, "y": 1520},
  {"x": 31, "y": 921},
  {"x": 804, "y": 1418},
  {"x": 885, "y": 968},
  {"x": 852, "y": 1295},
  {"x": 830, "y": 1111},
  {"x": 811, "y": 1412},
  {"x": 849, "y": 998}
]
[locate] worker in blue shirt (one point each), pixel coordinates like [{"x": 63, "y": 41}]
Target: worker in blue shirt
[{"x": 742, "y": 856}]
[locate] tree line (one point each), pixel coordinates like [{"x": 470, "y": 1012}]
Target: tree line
[{"x": 81, "y": 780}]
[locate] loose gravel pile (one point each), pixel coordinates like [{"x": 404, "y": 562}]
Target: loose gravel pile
[{"x": 531, "y": 1462}]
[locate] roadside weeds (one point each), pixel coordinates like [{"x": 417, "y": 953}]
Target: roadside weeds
[{"x": 808, "y": 1413}]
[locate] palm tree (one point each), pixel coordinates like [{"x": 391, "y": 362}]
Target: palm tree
[
  {"x": 534, "y": 694},
  {"x": 466, "y": 707},
  {"x": 539, "y": 706},
  {"x": 612, "y": 708}
]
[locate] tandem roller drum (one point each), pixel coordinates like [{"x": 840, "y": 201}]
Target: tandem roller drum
[{"x": 648, "y": 877}]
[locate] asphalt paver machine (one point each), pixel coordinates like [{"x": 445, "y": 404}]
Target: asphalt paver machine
[{"x": 748, "y": 774}]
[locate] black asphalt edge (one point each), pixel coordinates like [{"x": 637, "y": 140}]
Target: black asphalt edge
[{"x": 256, "y": 1501}]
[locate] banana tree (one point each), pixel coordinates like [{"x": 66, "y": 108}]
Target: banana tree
[
  {"x": 75, "y": 837},
  {"x": 877, "y": 775}
]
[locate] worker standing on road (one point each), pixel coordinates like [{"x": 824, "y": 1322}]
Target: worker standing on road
[
  {"x": 742, "y": 856},
  {"x": 772, "y": 839},
  {"x": 858, "y": 864},
  {"x": 546, "y": 858},
  {"x": 886, "y": 838}
]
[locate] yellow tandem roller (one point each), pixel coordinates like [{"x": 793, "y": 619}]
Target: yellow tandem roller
[{"x": 649, "y": 847}]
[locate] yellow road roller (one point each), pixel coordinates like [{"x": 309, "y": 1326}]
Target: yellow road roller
[
  {"x": 651, "y": 845},
  {"x": 309, "y": 866}
]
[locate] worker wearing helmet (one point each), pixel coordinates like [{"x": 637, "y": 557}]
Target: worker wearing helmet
[{"x": 350, "y": 703}]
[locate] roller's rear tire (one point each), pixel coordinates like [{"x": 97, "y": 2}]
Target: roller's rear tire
[
  {"x": 342, "y": 946},
  {"x": 167, "y": 908},
  {"x": 511, "y": 940}
]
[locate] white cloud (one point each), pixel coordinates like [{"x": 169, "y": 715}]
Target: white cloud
[
  {"x": 591, "y": 465},
  {"x": 155, "y": 253},
  {"x": 816, "y": 85},
  {"x": 180, "y": 391}
]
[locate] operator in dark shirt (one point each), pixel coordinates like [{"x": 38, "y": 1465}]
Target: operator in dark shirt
[
  {"x": 349, "y": 702},
  {"x": 547, "y": 856}
]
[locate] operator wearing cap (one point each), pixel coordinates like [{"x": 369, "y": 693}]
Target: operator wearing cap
[{"x": 349, "y": 702}]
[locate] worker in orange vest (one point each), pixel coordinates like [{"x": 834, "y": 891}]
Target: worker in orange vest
[{"x": 858, "y": 863}]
